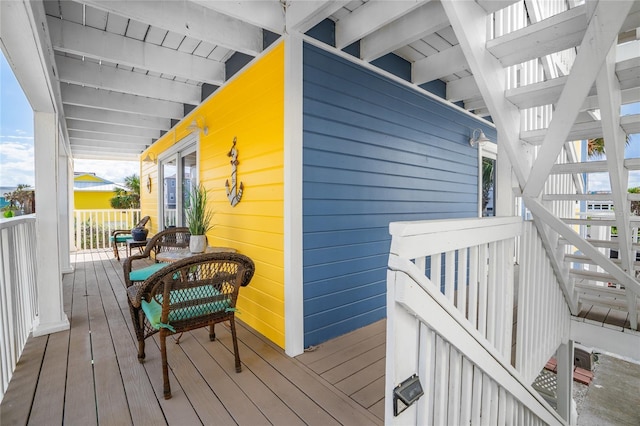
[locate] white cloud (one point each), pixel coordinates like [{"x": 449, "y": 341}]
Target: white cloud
[
  {"x": 599, "y": 182},
  {"x": 114, "y": 171},
  {"x": 16, "y": 157}
]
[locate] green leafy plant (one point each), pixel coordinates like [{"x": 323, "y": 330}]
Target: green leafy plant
[
  {"x": 199, "y": 217},
  {"x": 128, "y": 198}
]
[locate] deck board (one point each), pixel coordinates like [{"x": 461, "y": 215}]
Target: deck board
[
  {"x": 90, "y": 374},
  {"x": 80, "y": 405}
]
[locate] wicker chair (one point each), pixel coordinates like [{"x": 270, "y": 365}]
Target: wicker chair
[
  {"x": 167, "y": 240},
  {"x": 191, "y": 293},
  {"x": 122, "y": 235}
]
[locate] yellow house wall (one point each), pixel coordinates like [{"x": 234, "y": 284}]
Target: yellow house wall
[
  {"x": 250, "y": 108},
  {"x": 84, "y": 200}
]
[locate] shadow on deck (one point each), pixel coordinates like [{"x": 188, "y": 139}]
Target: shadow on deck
[{"x": 90, "y": 374}]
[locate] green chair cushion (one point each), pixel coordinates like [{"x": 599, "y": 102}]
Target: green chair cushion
[
  {"x": 153, "y": 309},
  {"x": 121, "y": 238},
  {"x": 144, "y": 273}
]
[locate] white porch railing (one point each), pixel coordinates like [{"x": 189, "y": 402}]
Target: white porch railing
[
  {"x": 450, "y": 299},
  {"x": 93, "y": 227},
  {"x": 18, "y": 294},
  {"x": 543, "y": 314}
]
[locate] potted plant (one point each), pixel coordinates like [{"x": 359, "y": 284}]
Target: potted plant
[{"x": 199, "y": 219}]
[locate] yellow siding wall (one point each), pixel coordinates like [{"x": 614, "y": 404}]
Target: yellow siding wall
[
  {"x": 250, "y": 108},
  {"x": 87, "y": 200}
]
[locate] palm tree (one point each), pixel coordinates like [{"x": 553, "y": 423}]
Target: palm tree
[
  {"x": 595, "y": 147},
  {"x": 20, "y": 199},
  {"x": 487, "y": 180},
  {"x": 128, "y": 198}
]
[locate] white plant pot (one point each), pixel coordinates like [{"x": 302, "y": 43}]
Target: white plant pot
[{"x": 197, "y": 243}]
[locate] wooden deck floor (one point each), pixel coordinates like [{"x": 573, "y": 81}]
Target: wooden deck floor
[{"x": 90, "y": 374}]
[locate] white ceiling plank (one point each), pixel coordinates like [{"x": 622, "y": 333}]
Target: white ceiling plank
[
  {"x": 116, "y": 24},
  {"x": 115, "y": 117},
  {"x": 267, "y": 14},
  {"x": 84, "y": 41},
  {"x": 444, "y": 63},
  {"x": 368, "y": 18},
  {"x": 107, "y": 146},
  {"x": 155, "y": 36},
  {"x": 469, "y": 21},
  {"x": 190, "y": 19},
  {"x": 188, "y": 45},
  {"x": 550, "y": 35},
  {"x": 94, "y": 98},
  {"x": 89, "y": 154},
  {"x": 81, "y": 134},
  {"x": 172, "y": 40},
  {"x": 599, "y": 37},
  {"x": 425, "y": 20},
  {"x": 114, "y": 129},
  {"x": 109, "y": 78},
  {"x": 464, "y": 88},
  {"x": 136, "y": 30},
  {"x": 301, "y": 16},
  {"x": 96, "y": 18}
]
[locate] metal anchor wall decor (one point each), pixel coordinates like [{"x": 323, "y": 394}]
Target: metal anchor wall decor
[{"x": 234, "y": 193}]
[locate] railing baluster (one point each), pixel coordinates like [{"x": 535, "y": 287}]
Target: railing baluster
[{"x": 17, "y": 291}]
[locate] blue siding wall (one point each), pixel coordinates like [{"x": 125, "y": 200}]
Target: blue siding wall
[{"x": 374, "y": 151}]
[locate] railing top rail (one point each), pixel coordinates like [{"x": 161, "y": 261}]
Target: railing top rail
[
  {"x": 16, "y": 220},
  {"x": 424, "y": 238}
]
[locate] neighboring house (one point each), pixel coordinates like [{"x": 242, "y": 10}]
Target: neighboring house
[{"x": 91, "y": 192}]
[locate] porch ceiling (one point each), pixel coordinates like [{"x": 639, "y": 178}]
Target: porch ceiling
[{"x": 127, "y": 71}]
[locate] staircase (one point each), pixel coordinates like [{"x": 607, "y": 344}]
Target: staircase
[
  {"x": 548, "y": 74},
  {"x": 546, "y": 78}
]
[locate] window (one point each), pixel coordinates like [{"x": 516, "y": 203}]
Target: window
[
  {"x": 178, "y": 168},
  {"x": 487, "y": 178}
]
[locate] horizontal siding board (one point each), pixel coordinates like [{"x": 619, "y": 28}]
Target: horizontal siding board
[
  {"x": 337, "y": 222},
  {"x": 314, "y": 289},
  {"x": 343, "y": 161},
  {"x": 338, "y": 328},
  {"x": 359, "y": 179},
  {"x": 366, "y": 84},
  {"x": 367, "y": 193},
  {"x": 374, "y": 152},
  {"x": 348, "y": 296},
  {"x": 345, "y": 311},
  {"x": 423, "y": 128},
  {"x": 345, "y": 267},
  {"x": 366, "y": 143}
]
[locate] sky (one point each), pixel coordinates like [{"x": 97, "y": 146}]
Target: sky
[
  {"x": 16, "y": 143},
  {"x": 16, "y": 140}
]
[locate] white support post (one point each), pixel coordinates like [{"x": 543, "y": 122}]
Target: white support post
[
  {"x": 71, "y": 206},
  {"x": 51, "y": 316},
  {"x": 64, "y": 213},
  {"x": 565, "y": 379},
  {"x": 293, "y": 279}
]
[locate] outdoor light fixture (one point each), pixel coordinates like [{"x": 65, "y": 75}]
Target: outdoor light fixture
[
  {"x": 150, "y": 158},
  {"x": 478, "y": 138},
  {"x": 198, "y": 124},
  {"x": 408, "y": 392}
]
